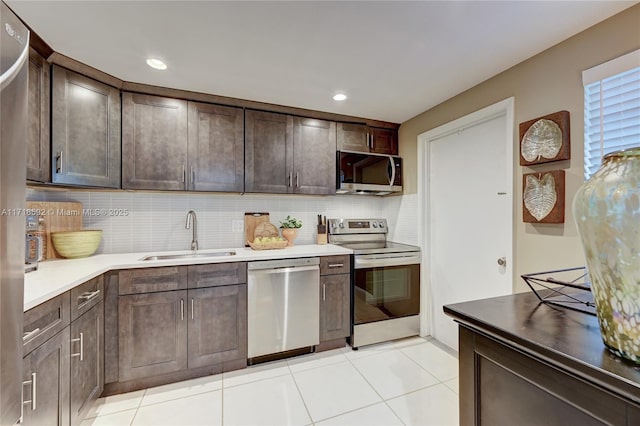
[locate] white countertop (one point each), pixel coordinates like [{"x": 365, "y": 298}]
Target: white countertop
[{"x": 54, "y": 277}]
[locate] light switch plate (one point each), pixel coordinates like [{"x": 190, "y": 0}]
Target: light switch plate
[{"x": 237, "y": 226}]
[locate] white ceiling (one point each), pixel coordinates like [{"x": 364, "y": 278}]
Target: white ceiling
[{"x": 394, "y": 59}]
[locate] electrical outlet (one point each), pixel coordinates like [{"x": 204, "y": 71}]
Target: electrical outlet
[{"x": 237, "y": 226}]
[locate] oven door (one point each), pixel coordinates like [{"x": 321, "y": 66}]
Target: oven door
[{"x": 385, "y": 288}]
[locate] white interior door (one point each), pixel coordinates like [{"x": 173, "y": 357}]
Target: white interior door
[{"x": 469, "y": 214}]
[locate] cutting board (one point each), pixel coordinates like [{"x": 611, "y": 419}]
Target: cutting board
[
  {"x": 251, "y": 221},
  {"x": 58, "y": 216}
]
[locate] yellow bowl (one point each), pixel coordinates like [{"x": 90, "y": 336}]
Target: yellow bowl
[{"x": 75, "y": 244}]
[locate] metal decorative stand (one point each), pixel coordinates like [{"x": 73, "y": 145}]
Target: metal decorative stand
[{"x": 568, "y": 288}]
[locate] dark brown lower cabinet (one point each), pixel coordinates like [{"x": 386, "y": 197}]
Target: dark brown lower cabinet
[
  {"x": 217, "y": 330},
  {"x": 87, "y": 361},
  {"x": 334, "y": 307},
  {"x": 46, "y": 383},
  {"x": 166, "y": 332},
  {"x": 152, "y": 334}
]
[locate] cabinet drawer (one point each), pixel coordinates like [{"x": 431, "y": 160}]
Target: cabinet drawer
[
  {"x": 45, "y": 321},
  {"x": 86, "y": 295},
  {"x": 151, "y": 280},
  {"x": 217, "y": 274},
  {"x": 331, "y": 265}
]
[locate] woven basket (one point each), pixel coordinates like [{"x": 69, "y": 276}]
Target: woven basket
[{"x": 268, "y": 246}]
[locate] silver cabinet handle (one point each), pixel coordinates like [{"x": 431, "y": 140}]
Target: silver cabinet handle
[
  {"x": 33, "y": 383},
  {"x": 336, "y": 265},
  {"x": 181, "y": 310},
  {"x": 297, "y": 179},
  {"x": 88, "y": 295},
  {"x": 290, "y": 179},
  {"x": 184, "y": 175},
  {"x": 502, "y": 261},
  {"x": 59, "y": 162},
  {"x": 28, "y": 334},
  {"x": 192, "y": 309},
  {"x": 371, "y": 141},
  {"x": 324, "y": 292},
  {"x": 81, "y": 340},
  {"x": 193, "y": 178}
]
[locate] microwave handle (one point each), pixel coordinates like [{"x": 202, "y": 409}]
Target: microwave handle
[{"x": 393, "y": 171}]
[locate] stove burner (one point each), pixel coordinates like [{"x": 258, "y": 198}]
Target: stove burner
[{"x": 365, "y": 236}]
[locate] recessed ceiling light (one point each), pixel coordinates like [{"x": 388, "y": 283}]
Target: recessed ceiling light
[
  {"x": 339, "y": 97},
  {"x": 156, "y": 63}
]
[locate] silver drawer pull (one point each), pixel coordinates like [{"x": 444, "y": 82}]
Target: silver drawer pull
[
  {"x": 33, "y": 384},
  {"x": 88, "y": 295},
  {"x": 29, "y": 334},
  {"x": 336, "y": 265},
  {"x": 81, "y": 340}
]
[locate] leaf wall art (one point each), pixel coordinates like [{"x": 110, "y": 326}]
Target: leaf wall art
[
  {"x": 543, "y": 197},
  {"x": 545, "y": 139}
]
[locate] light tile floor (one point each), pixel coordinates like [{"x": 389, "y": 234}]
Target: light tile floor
[{"x": 411, "y": 381}]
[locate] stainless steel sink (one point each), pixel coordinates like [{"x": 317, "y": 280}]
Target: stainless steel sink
[{"x": 189, "y": 255}]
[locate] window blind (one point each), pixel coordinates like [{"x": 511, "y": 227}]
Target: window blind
[{"x": 611, "y": 116}]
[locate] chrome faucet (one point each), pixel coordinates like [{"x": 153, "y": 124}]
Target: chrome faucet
[{"x": 191, "y": 215}]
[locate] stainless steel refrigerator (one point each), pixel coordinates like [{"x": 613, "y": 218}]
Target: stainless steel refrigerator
[{"x": 14, "y": 51}]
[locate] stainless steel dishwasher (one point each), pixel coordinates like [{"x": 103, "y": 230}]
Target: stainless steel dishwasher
[{"x": 283, "y": 305}]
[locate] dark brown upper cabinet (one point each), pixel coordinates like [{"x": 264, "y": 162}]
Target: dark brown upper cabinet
[
  {"x": 287, "y": 154},
  {"x": 172, "y": 144},
  {"x": 215, "y": 148},
  {"x": 38, "y": 141},
  {"x": 154, "y": 142},
  {"x": 362, "y": 138},
  {"x": 268, "y": 152},
  {"x": 314, "y": 156},
  {"x": 85, "y": 144}
]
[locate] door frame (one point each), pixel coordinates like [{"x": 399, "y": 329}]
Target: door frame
[{"x": 504, "y": 107}]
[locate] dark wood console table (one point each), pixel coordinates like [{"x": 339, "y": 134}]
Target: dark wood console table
[{"x": 524, "y": 363}]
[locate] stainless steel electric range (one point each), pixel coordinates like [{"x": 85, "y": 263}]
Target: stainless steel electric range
[{"x": 385, "y": 284}]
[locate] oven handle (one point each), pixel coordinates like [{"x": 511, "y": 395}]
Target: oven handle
[{"x": 360, "y": 263}]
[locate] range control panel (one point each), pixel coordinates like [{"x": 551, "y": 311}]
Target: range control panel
[{"x": 357, "y": 226}]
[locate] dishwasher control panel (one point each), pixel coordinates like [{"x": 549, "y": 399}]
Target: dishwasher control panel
[{"x": 283, "y": 263}]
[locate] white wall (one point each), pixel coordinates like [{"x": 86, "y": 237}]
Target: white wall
[{"x": 156, "y": 221}]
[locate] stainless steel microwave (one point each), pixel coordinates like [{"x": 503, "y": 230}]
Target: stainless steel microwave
[{"x": 367, "y": 173}]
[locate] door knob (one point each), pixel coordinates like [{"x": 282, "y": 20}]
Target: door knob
[{"x": 502, "y": 261}]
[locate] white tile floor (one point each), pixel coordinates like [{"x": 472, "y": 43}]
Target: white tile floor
[{"x": 406, "y": 382}]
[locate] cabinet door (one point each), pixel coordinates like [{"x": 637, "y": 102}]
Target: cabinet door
[
  {"x": 47, "y": 370},
  {"x": 353, "y": 137},
  {"x": 384, "y": 141},
  {"x": 217, "y": 325},
  {"x": 216, "y": 148},
  {"x": 268, "y": 152},
  {"x": 334, "y": 307},
  {"x": 38, "y": 143},
  {"x": 154, "y": 142},
  {"x": 152, "y": 336},
  {"x": 85, "y": 139},
  {"x": 87, "y": 366},
  {"x": 314, "y": 161}
]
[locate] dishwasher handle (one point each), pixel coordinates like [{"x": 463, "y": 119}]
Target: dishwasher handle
[{"x": 286, "y": 270}]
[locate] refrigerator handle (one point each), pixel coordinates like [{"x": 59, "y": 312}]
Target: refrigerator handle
[{"x": 12, "y": 72}]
